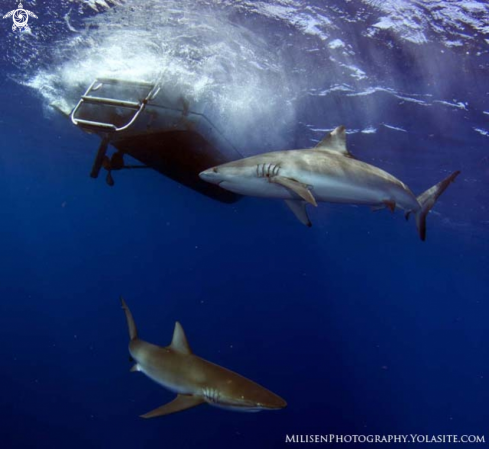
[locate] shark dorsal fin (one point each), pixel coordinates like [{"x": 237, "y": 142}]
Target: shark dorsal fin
[
  {"x": 335, "y": 142},
  {"x": 179, "y": 342}
]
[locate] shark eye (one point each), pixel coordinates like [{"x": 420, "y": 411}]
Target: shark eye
[{"x": 214, "y": 170}]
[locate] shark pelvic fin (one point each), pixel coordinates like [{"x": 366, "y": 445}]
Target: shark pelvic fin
[
  {"x": 134, "y": 368},
  {"x": 298, "y": 207},
  {"x": 179, "y": 342},
  {"x": 180, "y": 403},
  {"x": 297, "y": 187},
  {"x": 335, "y": 142}
]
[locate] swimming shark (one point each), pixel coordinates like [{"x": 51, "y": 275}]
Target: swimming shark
[
  {"x": 195, "y": 380},
  {"x": 326, "y": 172}
]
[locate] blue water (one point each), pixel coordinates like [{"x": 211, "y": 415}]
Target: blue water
[{"x": 359, "y": 325}]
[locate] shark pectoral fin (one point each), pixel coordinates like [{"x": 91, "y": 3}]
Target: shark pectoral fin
[
  {"x": 298, "y": 207},
  {"x": 297, "y": 187},
  {"x": 179, "y": 404}
]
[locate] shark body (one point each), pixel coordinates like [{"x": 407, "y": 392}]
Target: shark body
[
  {"x": 325, "y": 173},
  {"x": 195, "y": 380}
]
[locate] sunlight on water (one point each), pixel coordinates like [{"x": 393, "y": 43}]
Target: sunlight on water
[
  {"x": 218, "y": 66},
  {"x": 254, "y": 67}
]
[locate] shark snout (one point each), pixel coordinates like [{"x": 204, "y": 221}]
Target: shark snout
[
  {"x": 277, "y": 403},
  {"x": 266, "y": 400},
  {"x": 211, "y": 175}
]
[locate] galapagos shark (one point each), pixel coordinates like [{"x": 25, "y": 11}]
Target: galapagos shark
[
  {"x": 195, "y": 380},
  {"x": 327, "y": 172}
]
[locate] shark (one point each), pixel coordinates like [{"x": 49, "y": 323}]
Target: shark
[
  {"x": 195, "y": 380},
  {"x": 327, "y": 172}
]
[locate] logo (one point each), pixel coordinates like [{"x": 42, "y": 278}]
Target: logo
[{"x": 20, "y": 17}]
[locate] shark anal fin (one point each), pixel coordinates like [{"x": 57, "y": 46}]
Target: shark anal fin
[
  {"x": 391, "y": 205},
  {"x": 298, "y": 187},
  {"x": 179, "y": 342},
  {"x": 179, "y": 404},
  {"x": 298, "y": 207}
]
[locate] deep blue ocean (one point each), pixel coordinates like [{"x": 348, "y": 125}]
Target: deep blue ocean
[{"x": 361, "y": 327}]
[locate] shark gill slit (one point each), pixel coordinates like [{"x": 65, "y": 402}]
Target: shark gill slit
[
  {"x": 211, "y": 395},
  {"x": 267, "y": 171}
]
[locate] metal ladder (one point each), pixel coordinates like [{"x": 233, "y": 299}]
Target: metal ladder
[
  {"x": 105, "y": 128},
  {"x": 137, "y": 106}
]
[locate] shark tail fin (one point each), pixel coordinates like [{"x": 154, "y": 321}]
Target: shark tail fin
[
  {"x": 133, "y": 332},
  {"x": 428, "y": 199}
]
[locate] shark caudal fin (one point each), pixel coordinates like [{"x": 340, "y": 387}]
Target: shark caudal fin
[
  {"x": 428, "y": 199},
  {"x": 133, "y": 332}
]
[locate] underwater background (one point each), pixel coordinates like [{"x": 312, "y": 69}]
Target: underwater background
[{"x": 359, "y": 325}]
